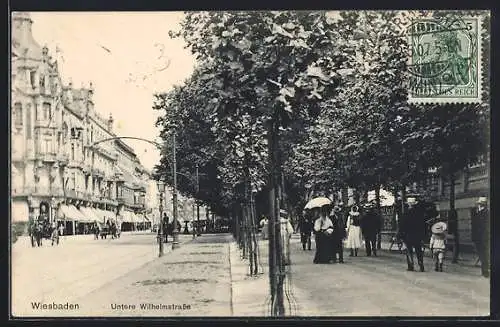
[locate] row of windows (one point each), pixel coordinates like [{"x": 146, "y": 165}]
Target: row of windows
[{"x": 46, "y": 114}]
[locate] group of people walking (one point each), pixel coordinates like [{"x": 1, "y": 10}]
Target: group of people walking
[{"x": 331, "y": 229}]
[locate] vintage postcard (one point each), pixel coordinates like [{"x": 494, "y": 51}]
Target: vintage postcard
[{"x": 250, "y": 164}]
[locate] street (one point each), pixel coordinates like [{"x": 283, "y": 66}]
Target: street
[
  {"x": 77, "y": 266},
  {"x": 125, "y": 278}
]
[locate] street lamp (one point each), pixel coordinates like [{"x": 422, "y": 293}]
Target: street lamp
[
  {"x": 161, "y": 190},
  {"x": 175, "y": 242}
]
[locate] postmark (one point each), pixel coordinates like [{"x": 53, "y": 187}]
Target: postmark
[{"x": 445, "y": 60}]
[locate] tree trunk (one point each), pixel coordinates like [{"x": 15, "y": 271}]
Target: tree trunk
[
  {"x": 345, "y": 201},
  {"x": 277, "y": 304},
  {"x": 452, "y": 216},
  {"x": 403, "y": 200},
  {"x": 379, "y": 210}
]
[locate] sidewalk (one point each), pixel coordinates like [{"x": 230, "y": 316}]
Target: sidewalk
[
  {"x": 251, "y": 293},
  {"x": 194, "y": 280}
]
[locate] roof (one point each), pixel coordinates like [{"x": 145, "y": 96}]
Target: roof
[{"x": 130, "y": 179}]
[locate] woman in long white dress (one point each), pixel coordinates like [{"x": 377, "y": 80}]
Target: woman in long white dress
[{"x": 353, "y": 231}]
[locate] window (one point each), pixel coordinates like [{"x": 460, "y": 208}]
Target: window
[
  {"x": 18, "y": 112},
  {"x": 42, "y": 83},
  {"x": 47, "y": 147},
  {"x": 33, "y": 79},
  {"x": 72, "y": 152},
  {"x": 28, "y": 121},
  {"x": 73, "y": 181},
  {"x": 47, "y": 111}
]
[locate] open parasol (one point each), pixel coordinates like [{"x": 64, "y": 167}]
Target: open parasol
[{"x": 318, "y": 203}]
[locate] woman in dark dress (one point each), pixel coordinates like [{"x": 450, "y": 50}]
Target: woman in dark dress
[{"x": 323, "y": 229}]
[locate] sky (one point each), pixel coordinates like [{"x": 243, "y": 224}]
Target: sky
[{"x": 128, "y": 56}]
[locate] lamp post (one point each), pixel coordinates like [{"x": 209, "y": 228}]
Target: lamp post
[
  {"x": 175, "y": 242},
  {"x": 197, "y": 202},
  {"x": 161, "y": 190}
]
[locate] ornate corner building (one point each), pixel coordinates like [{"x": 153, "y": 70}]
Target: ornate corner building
[{"x": 57, "y": 169}]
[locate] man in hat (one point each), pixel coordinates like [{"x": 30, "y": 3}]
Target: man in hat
[
  {"x": 286, "y": 234},
  {"x": 370, "y": 227},
  {"x": 412, "y": 230},
  {"x": 306, "y": 226},
  {"x": 480, "y": 230}
]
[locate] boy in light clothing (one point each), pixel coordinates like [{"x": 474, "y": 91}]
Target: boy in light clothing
[{"x": 437, "y": 245}]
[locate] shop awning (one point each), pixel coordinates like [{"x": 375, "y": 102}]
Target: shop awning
[
  {"x": 109, "y": 214},
  {"x": 65, "y": 213},
  {"x": 19, "y": 211},
  {"x": 127, "y": 216},
  {"x": 89, "y": 214},
  {"x": 100, "y": 216}
]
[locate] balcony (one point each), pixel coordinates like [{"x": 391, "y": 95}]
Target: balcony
[
  {"x": 96, "y": 172},
  {"x": 86, "y": 168},
  {"x": 48, "y": 157},
  {"x": 121, "y": 200},
  {"x": 63, "y": 159},
  {"x": 137, "y": 205}
]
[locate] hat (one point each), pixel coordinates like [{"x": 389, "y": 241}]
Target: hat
[
  {"x": 368, "y": 205},
  {"x": 482, "y": 199},
  {"x": 439, "y": 228},
  {"x": 412, "y": 200}
]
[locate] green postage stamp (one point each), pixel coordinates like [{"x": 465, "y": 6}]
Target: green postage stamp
[{"x": 445, "y": 60}]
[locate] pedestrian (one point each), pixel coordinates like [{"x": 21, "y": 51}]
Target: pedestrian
[
  {"x": 286, "y": 235},
  {"x": 323, "y": 228},
  {"x": 353, "y": 231},
  {"x": 370, "y": 226},
  {"x": 61, "y": 229},
  {"x": 338, "y": 236},
  {"x": 305, "y": 227},
  {"x": 480, "y": 230},
  {"x": 412, "y": 231},
  {"x": 437, "y": 244},
  {"x": 264, "y": 224}
]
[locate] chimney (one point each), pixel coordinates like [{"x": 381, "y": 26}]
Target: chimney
[
  {"x": 91, "y": 91},
  {"x": 110, "y": 123}
]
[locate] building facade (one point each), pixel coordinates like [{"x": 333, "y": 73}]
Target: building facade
[{"x": 65, "y": 163}]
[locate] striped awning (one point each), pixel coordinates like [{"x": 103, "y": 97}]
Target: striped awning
[
  {"x": 127, "y": 216},
  {"x": 99, "y": 214},
  {"x": 89, "y": 214}
]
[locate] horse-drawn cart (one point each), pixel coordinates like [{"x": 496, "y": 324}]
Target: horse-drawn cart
[{"x": 40, "y": 230}]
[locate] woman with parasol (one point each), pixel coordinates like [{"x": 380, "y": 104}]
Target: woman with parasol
[{"x": 323, "y": 229}]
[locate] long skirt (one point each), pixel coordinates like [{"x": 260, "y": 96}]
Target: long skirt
[
  {"x": 323, "y": 248},
  {"x": 265, "y": 232},
  {"x": 354, "y": 237}
]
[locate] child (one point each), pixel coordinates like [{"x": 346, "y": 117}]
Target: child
[{"x": 438, "y": 244}]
